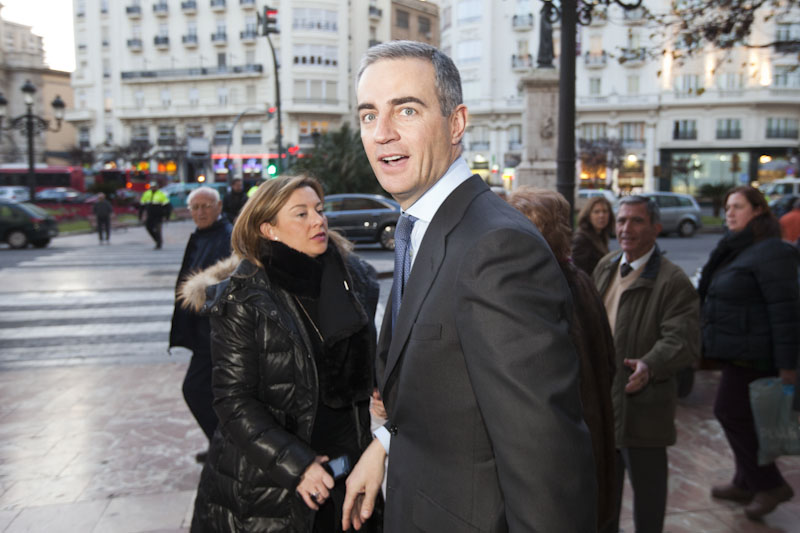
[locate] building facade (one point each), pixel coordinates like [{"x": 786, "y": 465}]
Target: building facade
[
  {"x": 188, "y": 87},
  {"x": 415, "y": 20},
  {"x": 726, "y": 116},
  {"x": 21, "y": 59}
]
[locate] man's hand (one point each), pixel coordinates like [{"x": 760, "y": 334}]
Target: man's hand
[
  {"x": 363, "y": 485},
  {"x": 640, "y": 377}
]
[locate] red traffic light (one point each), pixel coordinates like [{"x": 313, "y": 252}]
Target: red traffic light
[{"x": 293, "y": 149}]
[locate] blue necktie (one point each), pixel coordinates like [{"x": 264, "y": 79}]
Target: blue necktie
[{"x": 402, "y": 261}]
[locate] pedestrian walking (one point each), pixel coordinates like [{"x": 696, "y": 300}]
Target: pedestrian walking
[
  {"x": 595, "y": 227},
  {"x": 293, "y": 346},
  {"x": 208, "y": 244},
  {"x": 790, "y": 223},
  {"x": 103, "y": 210},
  {"x": 749, "y": 292},
  {"x": 234, "y": 200},
  {"x": 155, "y": 207}
]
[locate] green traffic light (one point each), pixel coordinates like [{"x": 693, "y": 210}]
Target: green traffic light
[{"x": 272, "y": 169}]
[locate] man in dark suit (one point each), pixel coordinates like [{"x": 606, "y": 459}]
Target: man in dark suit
[{"x": 475, "y": 366}]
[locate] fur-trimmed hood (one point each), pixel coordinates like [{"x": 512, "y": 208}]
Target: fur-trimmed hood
[{"x": 192, "y": 292}]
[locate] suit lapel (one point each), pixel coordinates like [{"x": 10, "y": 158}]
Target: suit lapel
[{"x": 426, "y": 267}]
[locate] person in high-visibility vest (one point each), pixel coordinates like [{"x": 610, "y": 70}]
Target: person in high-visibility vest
[
  {"x": 155, "y": 206},
  {"x": 252, "y": 190}
]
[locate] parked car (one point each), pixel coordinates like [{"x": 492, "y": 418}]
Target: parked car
[
  {"x": 14, "y": 193},
  {"x": 584, "y": 195},
  {"x": 363, "y": 217},
  {"x": 782, "y": 205},
  {"x": 679, "y": 212},
  {"x": 23, "y": 223},
  {"x": 782, "y": 187},
  {"x": 60, "y": 195}
]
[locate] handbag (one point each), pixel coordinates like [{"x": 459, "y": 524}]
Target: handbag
[{"x": 776, "y": 422}]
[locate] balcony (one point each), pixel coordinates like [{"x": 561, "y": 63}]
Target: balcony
[
  {"x": 729, "y": 134},
  {"x": 218, "y": 5},
  {"x": 522, "y": 22},
  {"x": 219, "y": 38},
  {"x": 633, "y": 57},
  {"x": 477, "y": 146},
  {"x": 161, "y": 9},
  {"x": 134, "y": 12},
  {"x": 375, "y": 13},
  {"x": 520, "y": 63},
  {"x": 152, "y": 75},
  {"x": 685, "y": 135},
  {"x": 595, "y": 60},
  {"x": 189, "y": 7},
  {"x": 632, "y": 143},
  {"x": 514, "y": 146},
  {"x": 248, "y": 4},
  {"x": 248, "y": 36},
  {"x": 780, "y": 133},
  {"x": 190, "y": 40},
  {"x": 161, "y": 42},
  {"x": 634, "y": 16},
  {"x": 135, "y": 45}
]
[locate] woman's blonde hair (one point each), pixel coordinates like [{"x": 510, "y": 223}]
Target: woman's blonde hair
[
  {"x": 549, "y": 212},
  {"x": 247, "y": 240},
  {"x": 584, "y": 217}
]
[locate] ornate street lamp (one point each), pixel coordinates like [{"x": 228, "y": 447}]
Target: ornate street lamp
[
  {"x": 572, "y": 12},
  {"x": 31, "y": 125}
]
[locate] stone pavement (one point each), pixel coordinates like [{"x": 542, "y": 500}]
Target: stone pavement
[{"x": 95, "y": 436}]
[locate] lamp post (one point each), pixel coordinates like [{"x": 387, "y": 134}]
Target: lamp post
[{"x": 31, "y": 125}]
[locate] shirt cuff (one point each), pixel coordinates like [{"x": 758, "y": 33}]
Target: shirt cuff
[{"x": 383, "y": 435}]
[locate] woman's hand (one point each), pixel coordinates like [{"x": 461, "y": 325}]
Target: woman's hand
[
  {"x": 315, "y": 484},
  {"x": 376, "y": 406}
]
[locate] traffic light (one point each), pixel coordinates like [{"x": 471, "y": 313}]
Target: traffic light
[
  {"x": 272, "y": 168},
  {"x": 271, "y": 112},
  {"x": 270, "y": 20}
]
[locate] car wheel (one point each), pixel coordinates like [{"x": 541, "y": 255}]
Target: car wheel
[
  {"x": 40, "y": 243},
  {"x": 387, "y": 237},
  {"x": 686, "y": 228},
  {"x": 17, "y": 239}
]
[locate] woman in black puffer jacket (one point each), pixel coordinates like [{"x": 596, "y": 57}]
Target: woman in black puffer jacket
[
  {"x": 293, "y": 342},
  {"x": 749, "y": 294}
]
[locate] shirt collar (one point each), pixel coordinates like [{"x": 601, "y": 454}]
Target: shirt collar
[
  {"x": 427, "y": 204},
  {"x": 639, "y": 262}
]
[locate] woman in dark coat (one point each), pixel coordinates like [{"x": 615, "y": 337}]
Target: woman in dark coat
[
  {"x": 590, "y": 334},
  {"x": 749, "y": 296},
  {"x": 595, "y": 227},
  {"x": 293, "y": 337}
]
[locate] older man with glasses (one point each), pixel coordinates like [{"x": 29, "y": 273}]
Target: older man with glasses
[{"x": 209, "y": 243}]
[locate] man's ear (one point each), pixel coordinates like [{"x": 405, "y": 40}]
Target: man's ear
[
  {"x": 659, "y": 228},
  {"x": 458, "y": 123}
]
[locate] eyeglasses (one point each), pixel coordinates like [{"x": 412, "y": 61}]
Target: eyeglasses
[{"x": 204, "y": 207}]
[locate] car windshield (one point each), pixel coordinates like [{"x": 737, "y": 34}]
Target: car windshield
[{"x": 34, "y": 210}]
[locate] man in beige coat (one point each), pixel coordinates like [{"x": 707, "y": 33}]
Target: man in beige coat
[{"x": 654, "y": 313}]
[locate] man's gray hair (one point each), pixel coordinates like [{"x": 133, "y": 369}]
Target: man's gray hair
[
  {"x": 203, "y": 190},
  {"x": 652, "y": 207},
  {"x": 448, "y": 79}
]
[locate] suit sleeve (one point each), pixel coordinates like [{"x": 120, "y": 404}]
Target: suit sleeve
[
  {"x": 513, "y": 328},
  {"x": 235, "y": 359},
  {"x": 678, "y": 345}
]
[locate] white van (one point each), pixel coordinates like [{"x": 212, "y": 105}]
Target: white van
[{"x": 775, "y": 189}]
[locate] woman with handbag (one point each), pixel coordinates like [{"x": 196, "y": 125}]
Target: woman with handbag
[
  {"x": 292, "y": 347},
  {"x": 749, "y": 295}
]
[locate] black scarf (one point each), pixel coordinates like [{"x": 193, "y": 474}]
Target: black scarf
[
  {"x": 295, "y": 271},
  {"x": 728, "y": 248}
]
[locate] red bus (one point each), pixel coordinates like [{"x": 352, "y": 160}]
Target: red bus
[{"x": 46, "y": 177}]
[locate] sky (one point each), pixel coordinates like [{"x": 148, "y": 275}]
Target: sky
[{"x": 51, "y": 19}]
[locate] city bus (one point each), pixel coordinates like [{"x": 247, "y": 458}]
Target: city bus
[{"x": 46, "y": 177}]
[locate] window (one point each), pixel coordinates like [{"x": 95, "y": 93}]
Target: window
[
  {"x": 108, "y": 101},
  {"x": 138, "y": 98},
  {"x": 688, "y": 84},
  {"x": 730, "y": 81},
  {"x": 470, "y": 90},
  {"x": 315, "y": 91},
  {"x": 250, "y": 57},
  {"x": 103, "y": 6},
  {"x": 222, "y": 96},
  {"x": 782, "y": 128},
  {"x": 166, "y": 99},
  {"x": 633, "y": 85},
  {"x": 250, "y": 94},
  {"x": 136, "y": 31},
  {"x": 106, "y": 68},
  {"x": 402, "y": 18},
  {"x": 729, "y": 128},
  {"x": 191, "y": 28},
  {"x": 786, "y": 77},
  {"x": 631, "y": 134},
  {"x": 104, "y": 40},
  {"x": 82, "y": 99},
  {"x": 251, "y": 133},
  {"x": 194, "y": 130},
  {"x": 194, "y": 97},
  {"x": 468, "y": 51},
  {"x": 315, "y": 19},
  {"x": 163, "y": 30},
  {"x": 592, "y": 131},
  {"x": 140, "y": 134},
  {"x": 222, "y": 133},
  {"x": 468, "y": 10},
  {"x": 684, "y": 129},
  {"x": 787, "y": 31},
  {"x": 221, "y": 59},
  {"x": 424, "y": 26},
  {"x": 166, "y": 135},
  {"x": 594, "y": 86},
  {"x": 83, "y": 137}
]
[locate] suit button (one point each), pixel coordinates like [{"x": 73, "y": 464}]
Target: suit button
[{"x": 393, "y": 430}]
